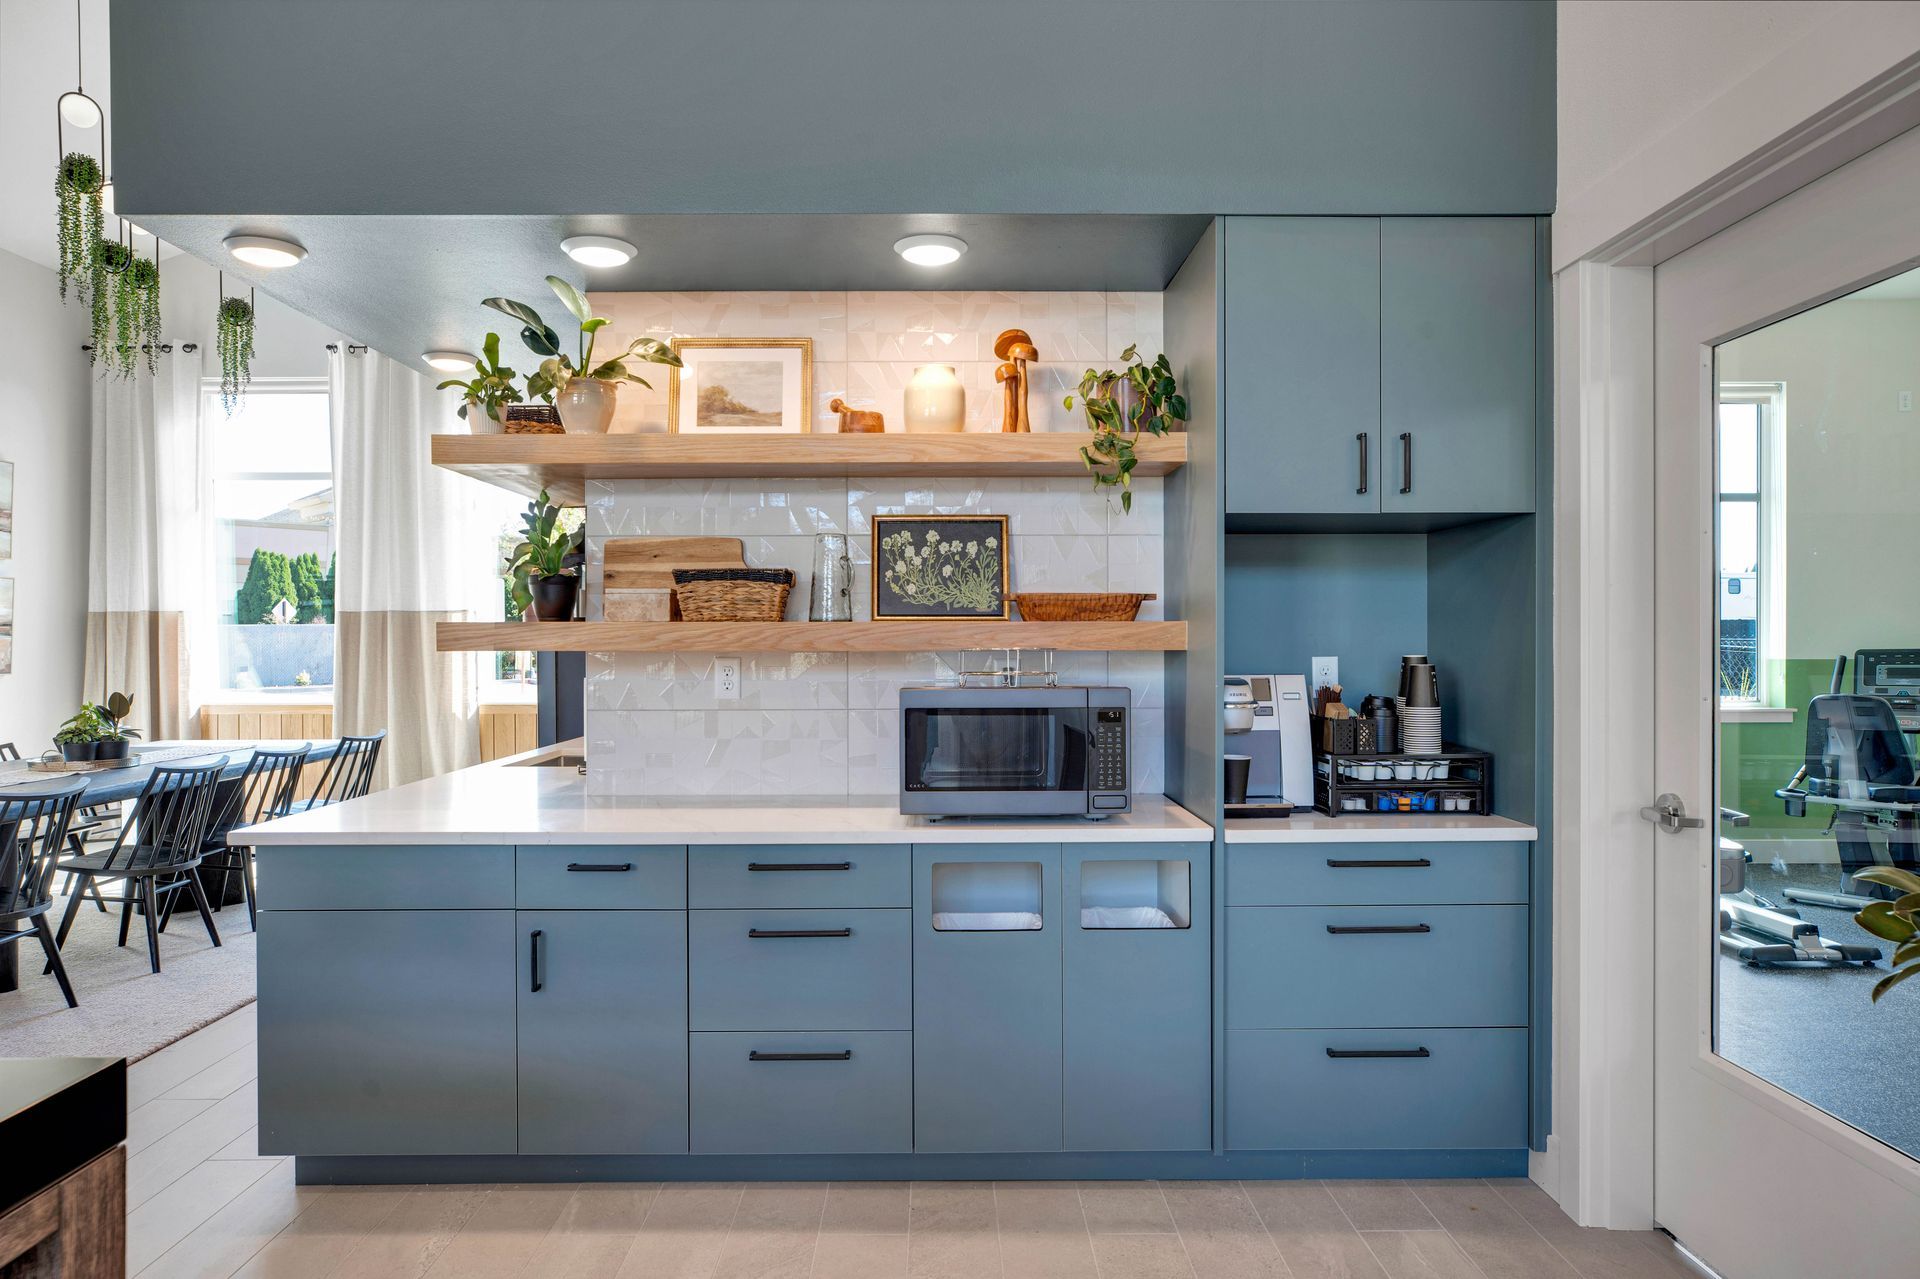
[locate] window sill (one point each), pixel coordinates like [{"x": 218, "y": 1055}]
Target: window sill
[
  {"x": 1749, "y": 713},
  {"x": 241, "y": 699}
]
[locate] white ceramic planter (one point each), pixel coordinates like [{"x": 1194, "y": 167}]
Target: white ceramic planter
[
  {"x": 478, "y": 423},
  {"x": 936, "y": 402},
  {"x": 586, "y": 406}
]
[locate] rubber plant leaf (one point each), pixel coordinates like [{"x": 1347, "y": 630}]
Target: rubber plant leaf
[{"x": 1889, "y": 982}]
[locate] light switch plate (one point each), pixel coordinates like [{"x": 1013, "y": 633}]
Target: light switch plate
[
  {"x": 1906, "y": 401},
  {"x": 1326, "y": 673},
  {"x": 726, "y": 679}
]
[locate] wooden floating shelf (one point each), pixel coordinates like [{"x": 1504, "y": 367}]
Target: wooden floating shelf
[
  {"x": 808, "y": 637},
  {"x": 562, "y": 464}
]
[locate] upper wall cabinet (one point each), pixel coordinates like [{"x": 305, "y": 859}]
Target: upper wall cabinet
[
  {"x": 1379, "y": 366},
  {"x": 1457, "y": 366},
  {"x": 1302, "y": 354}
]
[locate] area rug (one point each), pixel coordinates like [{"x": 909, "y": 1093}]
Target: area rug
[{"x": 125, "y": 1009}]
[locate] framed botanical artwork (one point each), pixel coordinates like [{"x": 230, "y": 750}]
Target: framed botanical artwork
[
  {"x": 741, "y": 386},
  {"x": 939, "y": 566}
]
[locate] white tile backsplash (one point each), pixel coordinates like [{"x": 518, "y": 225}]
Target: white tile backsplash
[{"x": 828, "y": 724}]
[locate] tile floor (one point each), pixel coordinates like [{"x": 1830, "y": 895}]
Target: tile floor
[{"x": 202, "y": 1204}]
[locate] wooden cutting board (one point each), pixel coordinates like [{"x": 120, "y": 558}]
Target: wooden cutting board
[{"x": 650, "y": 561}]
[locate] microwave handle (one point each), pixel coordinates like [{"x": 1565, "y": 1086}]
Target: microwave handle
[{"x": 962, "y": 699}]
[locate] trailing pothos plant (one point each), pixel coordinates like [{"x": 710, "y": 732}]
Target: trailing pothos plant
[
  {"x": 1118, "y": 407},
  {"x": 233, "y": 340},
  {"x": 558, "y": 368},
  {"x": 543, "y": 551},
  {"x": 493, "y": 389},
  {"x": 79, "y": 186},
  {"x": 1897, "y": 921}
]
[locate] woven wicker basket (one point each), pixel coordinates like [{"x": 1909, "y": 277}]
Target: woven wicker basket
[
  {"x": 532, "y": 419},
  {"x": 1072, "y": 606},
  {"x": 732, "y": 594}
]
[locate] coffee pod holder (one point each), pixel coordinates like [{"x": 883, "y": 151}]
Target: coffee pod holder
[{"x": 1449, "y": 782}]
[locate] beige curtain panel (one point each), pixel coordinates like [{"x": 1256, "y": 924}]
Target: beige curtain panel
[{"x": 414, "y": 551}]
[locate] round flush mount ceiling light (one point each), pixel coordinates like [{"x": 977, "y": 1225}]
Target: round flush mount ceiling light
[
  {"x": 264, "y": 251},
  {"x": 598, "y": 250},
  {"x": 930, "y": 250},
  {"x": 449, "y": 361}
]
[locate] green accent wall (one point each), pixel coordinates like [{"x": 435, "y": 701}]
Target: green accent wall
[{"x": 1757, "y": 759}]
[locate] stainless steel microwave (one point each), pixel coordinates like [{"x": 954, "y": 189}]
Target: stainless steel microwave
[{"x": 1014, "y": 752}]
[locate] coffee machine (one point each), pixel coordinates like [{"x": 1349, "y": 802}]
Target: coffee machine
[{"x": 1280, "y": 742}]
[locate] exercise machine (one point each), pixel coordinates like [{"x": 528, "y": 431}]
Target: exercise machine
[{"x": 1759, "y": 931}]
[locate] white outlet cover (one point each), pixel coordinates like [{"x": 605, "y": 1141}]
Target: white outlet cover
[
  {"x": 726, "y": 679},
  {"x": 1326, "y": 672},
  {"x": 1906, "y": 401}
]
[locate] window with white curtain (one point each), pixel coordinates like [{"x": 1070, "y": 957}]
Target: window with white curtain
[{"x": 271, "y": 534}]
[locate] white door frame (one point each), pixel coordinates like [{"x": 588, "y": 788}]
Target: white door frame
[{"x": 1599, "y": 1158}]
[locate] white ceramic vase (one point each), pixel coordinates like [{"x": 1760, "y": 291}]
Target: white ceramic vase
[
  {"x": 936, "y": 402},
  {"x": 586, "y": 405},
  {"x": 478, "y": 423}
]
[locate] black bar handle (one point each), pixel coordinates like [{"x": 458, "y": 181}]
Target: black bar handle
[
  {"x": 845, "y": 1054},
  {"x": 533, "y": 960},
  {"x": 799, "y": 932},
  {"x": 615, "y": 867},
  {"x": 1362, "y": 437},
  {"x": 1341, "y": 929},
  {"x": 1341, "y": 1054},
  {"x": 1380, "y": 863},
  {"x": 799, "y": 865},
  {"x": 1406, "y": 461}
]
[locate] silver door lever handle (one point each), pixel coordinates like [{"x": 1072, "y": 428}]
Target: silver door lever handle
[{"x": 1669, "y": 813}]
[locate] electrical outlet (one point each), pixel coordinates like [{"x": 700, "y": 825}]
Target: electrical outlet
[
  {"x": 1906, "y": 401},
  {"x": 1326, "y": 672},
  {"x": 726, "y": 679}
]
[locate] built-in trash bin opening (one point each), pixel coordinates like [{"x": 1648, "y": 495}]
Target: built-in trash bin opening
[
  {"x": 1135, "y": 894},
  {"x": 987, "y": 897}
]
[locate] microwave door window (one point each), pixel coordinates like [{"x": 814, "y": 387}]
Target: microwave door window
[{"x": 1001, "y": 749}]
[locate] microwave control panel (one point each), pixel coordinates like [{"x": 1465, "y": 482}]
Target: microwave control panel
[{"x": 1110, "y": 750}]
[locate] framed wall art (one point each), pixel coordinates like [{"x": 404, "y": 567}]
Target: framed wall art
[
  {"x": 741, "y": 386},
  {"x": 940, "y": 566}
]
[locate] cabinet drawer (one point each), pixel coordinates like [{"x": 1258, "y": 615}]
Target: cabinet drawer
[
  {"x": 386, "y": 877},
  {"x": 1376, "y": 874},
  {"x": 1301, "y": 966},
  {"x": 600, "y": 877},
  {"x": 801, "y": 970},
  {"x": 781, "y": 1094},
  {"x": 760, "y": 875},
  {"x": 1286, "y": 1092}
]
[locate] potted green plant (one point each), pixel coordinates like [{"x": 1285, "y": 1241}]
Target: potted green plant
[
  {"x": 117, "y": 740},
  {"x": 233, "y": 340},
  {"x": 79, "y": 738},
  {"x": 1118, "y": 407},
  {"x": 584, "y": 392},
  {"x": 1897, "y": 921},
  {"x": 79, "y": 188},
  {"x": 544, "y": 585},
  {"x": 489, "y": 393}
]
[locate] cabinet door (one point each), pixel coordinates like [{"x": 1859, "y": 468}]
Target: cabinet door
[
  {"x": 1302, "y": 360},
  {"x": 603, "y": 1031},
  {"x": 1457, "y": 364},
  {"x": 1138, "y": 1021},
  {"x": 386, "y": 1032},
  {"x": 986, "y": 997}
]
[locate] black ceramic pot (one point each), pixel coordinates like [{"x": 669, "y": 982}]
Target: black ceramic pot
[
  {"x": 111, "y": 750},
  {"x": 79, "y": 752},
  {"x": 553, "y": 598}
]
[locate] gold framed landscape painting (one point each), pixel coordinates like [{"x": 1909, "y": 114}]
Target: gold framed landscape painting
[
  {"x": 931, "y": 566},
  {"x": 741, "y": 386}
]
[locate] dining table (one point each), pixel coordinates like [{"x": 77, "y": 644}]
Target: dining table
[{"x": 114, "y": 785}]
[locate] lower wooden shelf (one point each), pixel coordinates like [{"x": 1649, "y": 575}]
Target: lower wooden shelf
[{"x": 807, "y": 637}]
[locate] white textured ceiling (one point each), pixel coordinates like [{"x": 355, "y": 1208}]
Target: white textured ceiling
[{"x": 37, "y": 52}]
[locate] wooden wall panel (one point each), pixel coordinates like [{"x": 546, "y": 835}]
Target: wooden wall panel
[{"x": 508, "y": 730}]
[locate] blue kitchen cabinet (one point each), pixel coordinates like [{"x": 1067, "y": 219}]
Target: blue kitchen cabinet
[
  {"x": 386, "y": 1032},
  {"x": 987, "y": 932},
  {"x": 1301, "y": 355},
  {"x": 1137, "y": 1000},
  {"x": 802, "y": 1093},
  {"x": 1457, "y": 365},
  {"x": 602, "y": 1031}
]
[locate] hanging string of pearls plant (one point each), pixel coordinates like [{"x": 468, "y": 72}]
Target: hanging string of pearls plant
[{"x": 233, "y": 340}]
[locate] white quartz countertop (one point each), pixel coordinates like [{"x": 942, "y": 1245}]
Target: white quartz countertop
[
  {"x": 505, "y": 802},
  {"x": 1374, "y": 828}
]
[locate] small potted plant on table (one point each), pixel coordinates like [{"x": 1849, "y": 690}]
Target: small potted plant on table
[
  {"x": 79, "y": 738},
  {"x": 117, "y": 740},
  {"x": 544, "y": 583}
]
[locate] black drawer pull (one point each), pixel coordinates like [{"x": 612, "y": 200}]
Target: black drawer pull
[
  {"x": 533, "y": 960},
  {"x": 1362, "y": 438},
  {"x": 614, "y": 867},
  {"x": 1340, "y": 1054},
  {"x": 845, "y": 1054},
  {"x": 1341, "y": 929},
  {"x": 799, "y": 932},
  {"x": 1380, "y": 863},
  {"x": 1406, "y": 461},
  {"x": 799, "y": 865}
]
